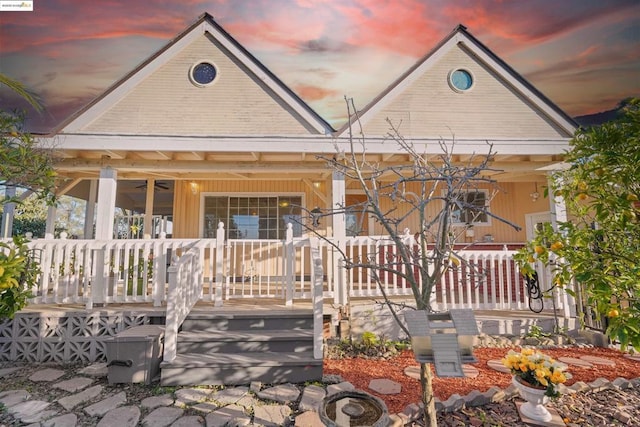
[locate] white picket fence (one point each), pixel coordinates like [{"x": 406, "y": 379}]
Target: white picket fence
[{"x": 127, "y": 271}]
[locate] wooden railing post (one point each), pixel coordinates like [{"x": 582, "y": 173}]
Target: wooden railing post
[
  {"x": 220, "y": 238},
  {"x": 290, "y": 265},
  {"x": 317, "y": 274},
  {"x": 171, "y": 327},
  {"x": 159, "y": 271}
]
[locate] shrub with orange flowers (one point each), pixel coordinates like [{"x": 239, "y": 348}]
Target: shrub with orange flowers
[{"x": 537, "y": 370}]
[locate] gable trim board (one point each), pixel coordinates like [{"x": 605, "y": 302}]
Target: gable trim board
[
  {"x": 204, "y": 25},
  {"x": 309, "y": 144},
  {"x": 461, "y": 37}
]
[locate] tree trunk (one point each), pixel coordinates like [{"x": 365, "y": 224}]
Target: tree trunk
[{"x": 428, "y": 400}]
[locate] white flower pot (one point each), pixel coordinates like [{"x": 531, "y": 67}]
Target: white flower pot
[{"x": 535, "y": 398}]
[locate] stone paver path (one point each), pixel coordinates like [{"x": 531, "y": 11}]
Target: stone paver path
[
  {"x": 496, "y": 365},
  {"x": 598, "y": 360},
  {"x": 576, "y": 362},
  {"x": 78, "y": 402}
]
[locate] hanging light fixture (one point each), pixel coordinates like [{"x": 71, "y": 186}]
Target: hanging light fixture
[{"x": 535, "y": 195}]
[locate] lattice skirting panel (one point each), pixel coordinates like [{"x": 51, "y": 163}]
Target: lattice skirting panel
[{"x": 66, "y": 336}]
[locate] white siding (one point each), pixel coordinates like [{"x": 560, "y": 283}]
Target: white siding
[
  {"x": 491, "y": 109},
  {"x": 167, "y": 103}
]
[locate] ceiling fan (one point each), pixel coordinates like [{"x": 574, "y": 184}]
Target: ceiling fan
[{"x": 157, "y": 185}]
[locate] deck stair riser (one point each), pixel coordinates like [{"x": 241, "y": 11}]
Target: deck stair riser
[
  {"x": 238, "y": 348},
  {"x": 242, "y": 322},
  {"x": 283, "y": 341}
]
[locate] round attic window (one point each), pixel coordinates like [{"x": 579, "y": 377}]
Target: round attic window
[
  {"x": 203, "y": 73},
  {"x": 461, "y": 80}
]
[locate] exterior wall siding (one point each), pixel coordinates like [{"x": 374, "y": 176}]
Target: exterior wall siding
[
  {"x": 512, "y": 203},
  {"x": 167, "y": 103},
  {"x": 491, "y": 109}
]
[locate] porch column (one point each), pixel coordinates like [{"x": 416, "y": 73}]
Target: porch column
[
  {"x": 50, "y": 224},
  {"x": 104, "y": 231},
  {"x": 8, "y": 213},
  {"x": 339, "y": 235},
  {"x": 147, "y": 227},
  {"x": 559, "y": 214},
  {"x": 106, "y": 203},
  {"x": 90, "y": 210}
]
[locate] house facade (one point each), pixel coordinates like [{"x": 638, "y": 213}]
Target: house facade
[{"x": 202, "y": 136}]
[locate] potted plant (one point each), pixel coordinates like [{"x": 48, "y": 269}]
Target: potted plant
[{"x": 536, "y": 376}]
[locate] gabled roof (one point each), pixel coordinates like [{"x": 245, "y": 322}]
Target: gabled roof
[
  {"x": 460, "y": 35},
  {"x": 204, "y": 24}
]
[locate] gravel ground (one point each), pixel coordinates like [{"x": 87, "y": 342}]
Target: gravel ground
[{"x": 602, "y": 408}]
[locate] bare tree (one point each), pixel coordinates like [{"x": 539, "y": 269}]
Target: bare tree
[{"x": 435, "y": 189}]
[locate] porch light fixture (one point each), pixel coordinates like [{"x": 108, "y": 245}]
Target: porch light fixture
[
  {"x": 194, "y": 188},
  {"x": 316, "y": 184},
  {"x": 316, "y": 213},
  {"x": 535, "y": 195}
]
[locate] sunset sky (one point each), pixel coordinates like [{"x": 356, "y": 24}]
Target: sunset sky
[{"x": 582, "y": 54}]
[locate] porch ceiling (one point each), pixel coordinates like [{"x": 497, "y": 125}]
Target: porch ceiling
[{"x": 180, "y": 165}]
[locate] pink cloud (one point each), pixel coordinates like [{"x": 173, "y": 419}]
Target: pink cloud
[{"x": 314, "y": 93}]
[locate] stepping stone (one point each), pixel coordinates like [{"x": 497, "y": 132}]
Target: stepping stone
[
  {"x": 312, "y": 398},
  {"x": 70, "y": 402},
  {"x": 95, "y": 370},
  {"x": 385, "y": 386},
  {"x": 271, "y": 415},
  {"x": 74, "y": 384},
  {"x": 188, "y": 396},
  {"x": 282, "y": 393},
  {"x": 28, "y": 408},
  {"x": 598, "y": 360},
  {"x": 162, "y": 417},
  {"x": 205, "y": 407},
  {"x": 309, "y": 419},
  {"x": 222, "y": 416},
  {"x": 46, "y": 375},
  {"x": 155, "y": 401},
  {"x": 190, "y": 421},
  {"x": 107, "y": 405},
  {"x": 230, "y": 396},
  {"x": 66, "y": 420},
  {"x": 412, "y": 372},
  {"x": 634, "y": 357},
  {"x": 39, "y": 416},
  {"x": 337, "y": 388},
  {"x": 496, "y": 365},
  {"x": 470, "y": 371},
  {"x": 7, "y": 371},
  {"x": 13, "y": 397},
  {"x": 575, "y": 362},
  {"x": 125, "y": 416}
]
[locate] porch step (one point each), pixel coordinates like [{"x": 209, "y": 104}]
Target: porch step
[
  {"x": 230, "y": 348},
  {"x": 204, "y": 342},
  {"x": 249, "y": 321},
  {"x": 241, "y": 368}
]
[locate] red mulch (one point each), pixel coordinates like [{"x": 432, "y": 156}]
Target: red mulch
[{"x": 360, "y": 372}]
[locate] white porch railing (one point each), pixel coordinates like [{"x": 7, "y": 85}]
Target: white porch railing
[
  {"x": 185, "y": 290},
  {"x": 123, "y": 271}
]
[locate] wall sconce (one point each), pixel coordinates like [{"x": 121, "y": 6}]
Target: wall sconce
[
  {"x": 316, "y": 184},
  {"x": 316, "y": 213},
  {"x": 194, "y": 188},
  {"x": 535, "y": 195}
]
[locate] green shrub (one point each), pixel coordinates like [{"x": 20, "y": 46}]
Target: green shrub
[{"x": 18, "y": 275}]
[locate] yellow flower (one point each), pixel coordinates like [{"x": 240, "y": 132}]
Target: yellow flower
[{"x": 536, "y": 368}]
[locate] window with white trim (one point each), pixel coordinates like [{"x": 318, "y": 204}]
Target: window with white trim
[
  {"x": 252, "y": 217},
  {"x": 471, "y": 208}
]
